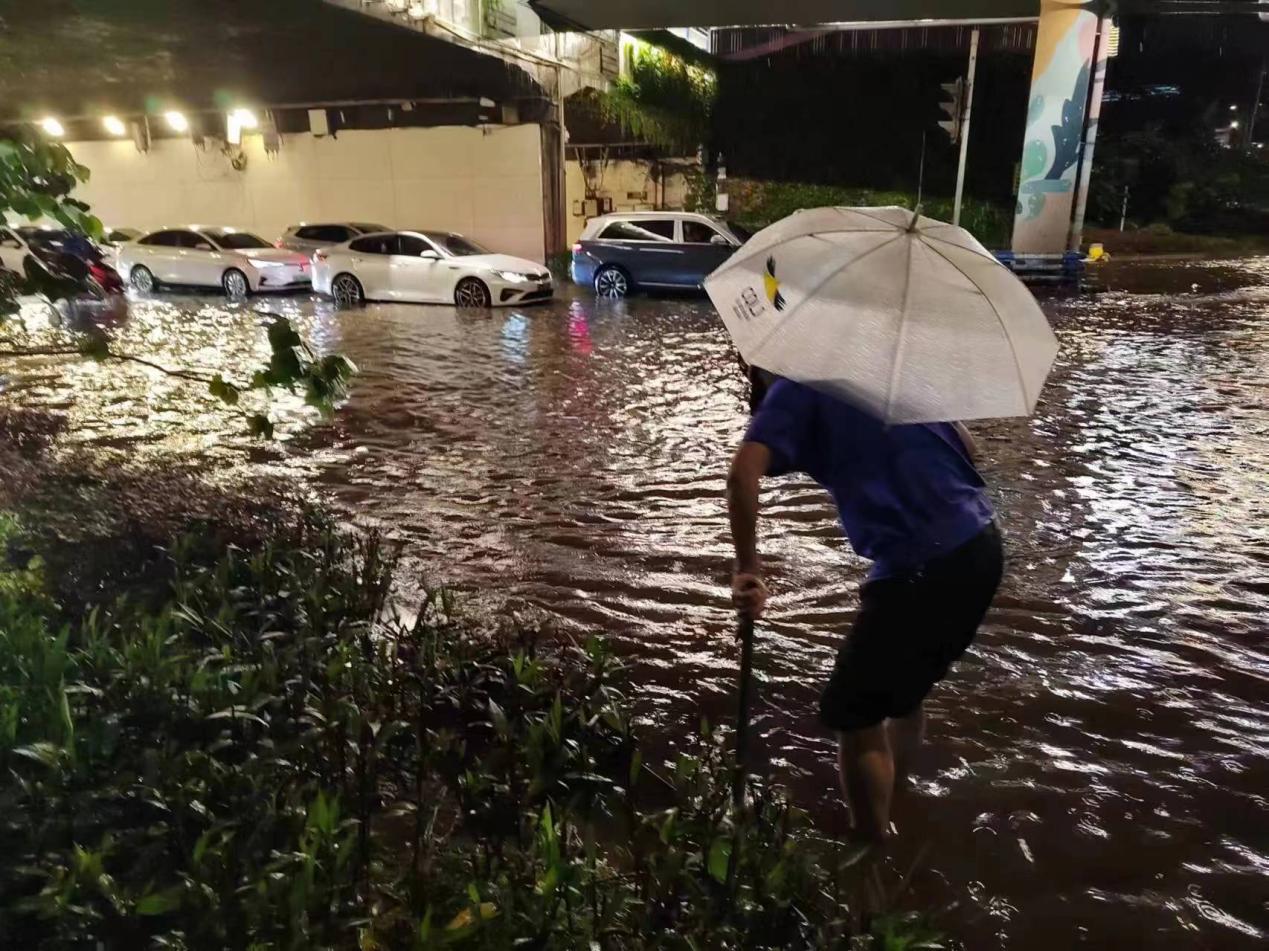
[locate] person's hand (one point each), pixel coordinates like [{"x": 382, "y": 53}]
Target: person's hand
[{"x": 749, "y": 594}]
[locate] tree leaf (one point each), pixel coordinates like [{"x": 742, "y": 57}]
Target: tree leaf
[
  {"x": 719, "y": 859},
  {"x": 160, "y": 903},
  {"x": 259, "y": 425}
]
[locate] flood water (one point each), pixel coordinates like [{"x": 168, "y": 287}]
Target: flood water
[{"x": 1099, "y": 764}]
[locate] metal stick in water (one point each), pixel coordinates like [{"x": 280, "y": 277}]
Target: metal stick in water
[{"x": 745, "y": 635}]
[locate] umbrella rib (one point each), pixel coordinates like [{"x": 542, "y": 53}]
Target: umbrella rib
[
  {"x": 860, "y": 211},
  {"x": 1017, "y": 364},
  {"x": 815, "y": 290},
  {"x": 903, "y": 323}
]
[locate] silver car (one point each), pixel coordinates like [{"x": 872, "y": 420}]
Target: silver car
[
  {"x": 307, "y": 238},
  {"x": 239, "y": 262}
]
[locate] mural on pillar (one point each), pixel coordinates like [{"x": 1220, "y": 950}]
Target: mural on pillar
[{"x": 1055, "y": 121}]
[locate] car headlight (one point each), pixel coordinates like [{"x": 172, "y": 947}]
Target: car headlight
[
  {"x": 515, "y": 277},
  {"x": 269, "y": 263}
]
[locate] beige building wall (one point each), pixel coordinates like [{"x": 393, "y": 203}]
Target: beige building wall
[
  {"x": 630, "y": 184},
  {"x": 486, "y": 184}
]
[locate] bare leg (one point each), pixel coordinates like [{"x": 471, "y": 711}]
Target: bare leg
[
  {"x": 906, "y": 736},
  {"x": 866, "y": 769}
]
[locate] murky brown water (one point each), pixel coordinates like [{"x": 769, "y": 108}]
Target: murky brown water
[{"x": 1100, "y": 763}]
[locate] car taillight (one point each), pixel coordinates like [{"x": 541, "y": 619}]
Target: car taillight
[{"x": 577, "y": 247}]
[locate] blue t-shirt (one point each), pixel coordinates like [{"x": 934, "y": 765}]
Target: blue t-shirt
[{"x": 905, "y": 494}]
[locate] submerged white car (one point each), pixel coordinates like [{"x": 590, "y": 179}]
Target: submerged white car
[
  {"x": 238, "y": 262},
  {"x": 431, "y": 267}
]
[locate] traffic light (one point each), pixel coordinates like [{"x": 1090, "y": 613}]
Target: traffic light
[{"x": 954, "y": 110}]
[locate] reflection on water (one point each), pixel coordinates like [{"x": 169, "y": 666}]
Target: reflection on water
[{"x": 1099, "y": 771}]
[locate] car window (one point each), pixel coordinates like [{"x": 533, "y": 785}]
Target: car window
[
  {"x": 238, "y": 240},
  {"x": 335, "y": 234},
  {"x": 740, "y": 231},
  {"x": 412, "y": 245},
  {"x": 376, "y": 244},
  {"x": 697, "y": 232},
  {"x": 7, "y": 236},
  {"x": 369, "y": 229},
  {"x": 455, "y": 245},
  {"x": 193, "y": 241},
  {"x": 162, "y": 239},
  {"x": 651, "y": 229}
]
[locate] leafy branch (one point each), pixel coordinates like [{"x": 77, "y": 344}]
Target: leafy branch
[{"x": 663, "y": 100}]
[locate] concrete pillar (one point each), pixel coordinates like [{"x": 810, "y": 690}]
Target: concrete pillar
[{"x": 1065, "y": 52}]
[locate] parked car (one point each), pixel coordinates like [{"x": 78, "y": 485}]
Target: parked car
[
  {"x": 308, "y": 238},
  {"x": 427, "y": 267},
  {"x": 619, "y": 253},
  {"x": 239, "y": 262},
  {"x": 13, "y": 250},
  {"x": 113, "y": 238}
]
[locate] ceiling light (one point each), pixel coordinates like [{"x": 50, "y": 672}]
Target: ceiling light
[
  {"x": 176, "y": 121},
  {"x": 53, "y": 127},
  {"x": 245, "y": 118},
  {"x": 1234, "y": 124},
  {"x": 114, "y": 125}
]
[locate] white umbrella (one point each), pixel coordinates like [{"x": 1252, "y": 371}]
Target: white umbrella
[{"x": 906, "y": 317}]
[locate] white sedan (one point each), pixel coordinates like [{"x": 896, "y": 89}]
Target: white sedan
[
  {"x": 431, "y": 267},
  {"x": 238, "y": 262}
]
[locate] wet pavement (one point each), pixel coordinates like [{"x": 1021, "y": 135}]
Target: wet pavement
[{"x": 1100, "y": 761}]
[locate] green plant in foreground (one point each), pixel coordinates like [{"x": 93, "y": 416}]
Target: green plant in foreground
[{"x": 273, "y": 757}]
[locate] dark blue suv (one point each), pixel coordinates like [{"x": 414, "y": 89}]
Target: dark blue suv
[{"x": 655, "y": 250}]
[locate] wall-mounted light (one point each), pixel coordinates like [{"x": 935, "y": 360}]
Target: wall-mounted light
[
  {"x": 176, "y": 121},
  {"x": 52, "y": 127},
  {"x": 238, "y": 120},
  {"x": 114, "y": 126},
  {"x": 1234, "y": 124}
]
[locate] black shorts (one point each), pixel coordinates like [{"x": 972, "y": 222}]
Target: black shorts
[{"x": 909, "y": 630}]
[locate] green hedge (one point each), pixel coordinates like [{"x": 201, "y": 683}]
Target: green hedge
[
  {"x": 757, "y": 204},
  {"x": 269, "y": 756}
]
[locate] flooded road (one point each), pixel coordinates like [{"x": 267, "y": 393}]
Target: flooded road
[{"x": 1099, "y": 768}]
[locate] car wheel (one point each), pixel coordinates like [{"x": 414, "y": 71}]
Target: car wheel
[
  {"x": 471, "y": 292},
  {"x": 235, "y": 284},
  {"x": 347, "y": 291},
  {"x": 142, "y": 279},
  {"x": 611, "y": 281}
]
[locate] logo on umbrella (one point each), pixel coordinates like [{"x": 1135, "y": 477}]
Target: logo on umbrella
[{"x": 772, "y": 285}]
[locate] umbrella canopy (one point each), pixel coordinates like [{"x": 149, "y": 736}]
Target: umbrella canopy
[{"x": 906, "y": 317}]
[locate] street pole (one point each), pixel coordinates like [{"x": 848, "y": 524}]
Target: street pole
[
  {"x": 1092, "y": 116},
  {"x": 1255, "y": 107},
  {"x": 964, "y": 130}
]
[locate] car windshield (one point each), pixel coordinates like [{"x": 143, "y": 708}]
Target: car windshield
[
  {"x": 454, "y": 245},
  {"x": 237, "y": 240},
  {"x": 740, "y": 231}
]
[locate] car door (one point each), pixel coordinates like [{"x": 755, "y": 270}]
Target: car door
[
  {"x": 12, "y": 252},
  {"x": 704, "y": 248},
  {"x": 204, "y": 260},
  {"x": 368, "y": 259},
  {"x": 417, "y": 269},
  {"x": 160, "y": 253},
  {"x": 645, "y": 248}
]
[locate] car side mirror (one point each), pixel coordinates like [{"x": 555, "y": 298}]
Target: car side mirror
[
  {"x": 720, "y": 240},
  {"x": 429, "y": 256}
]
